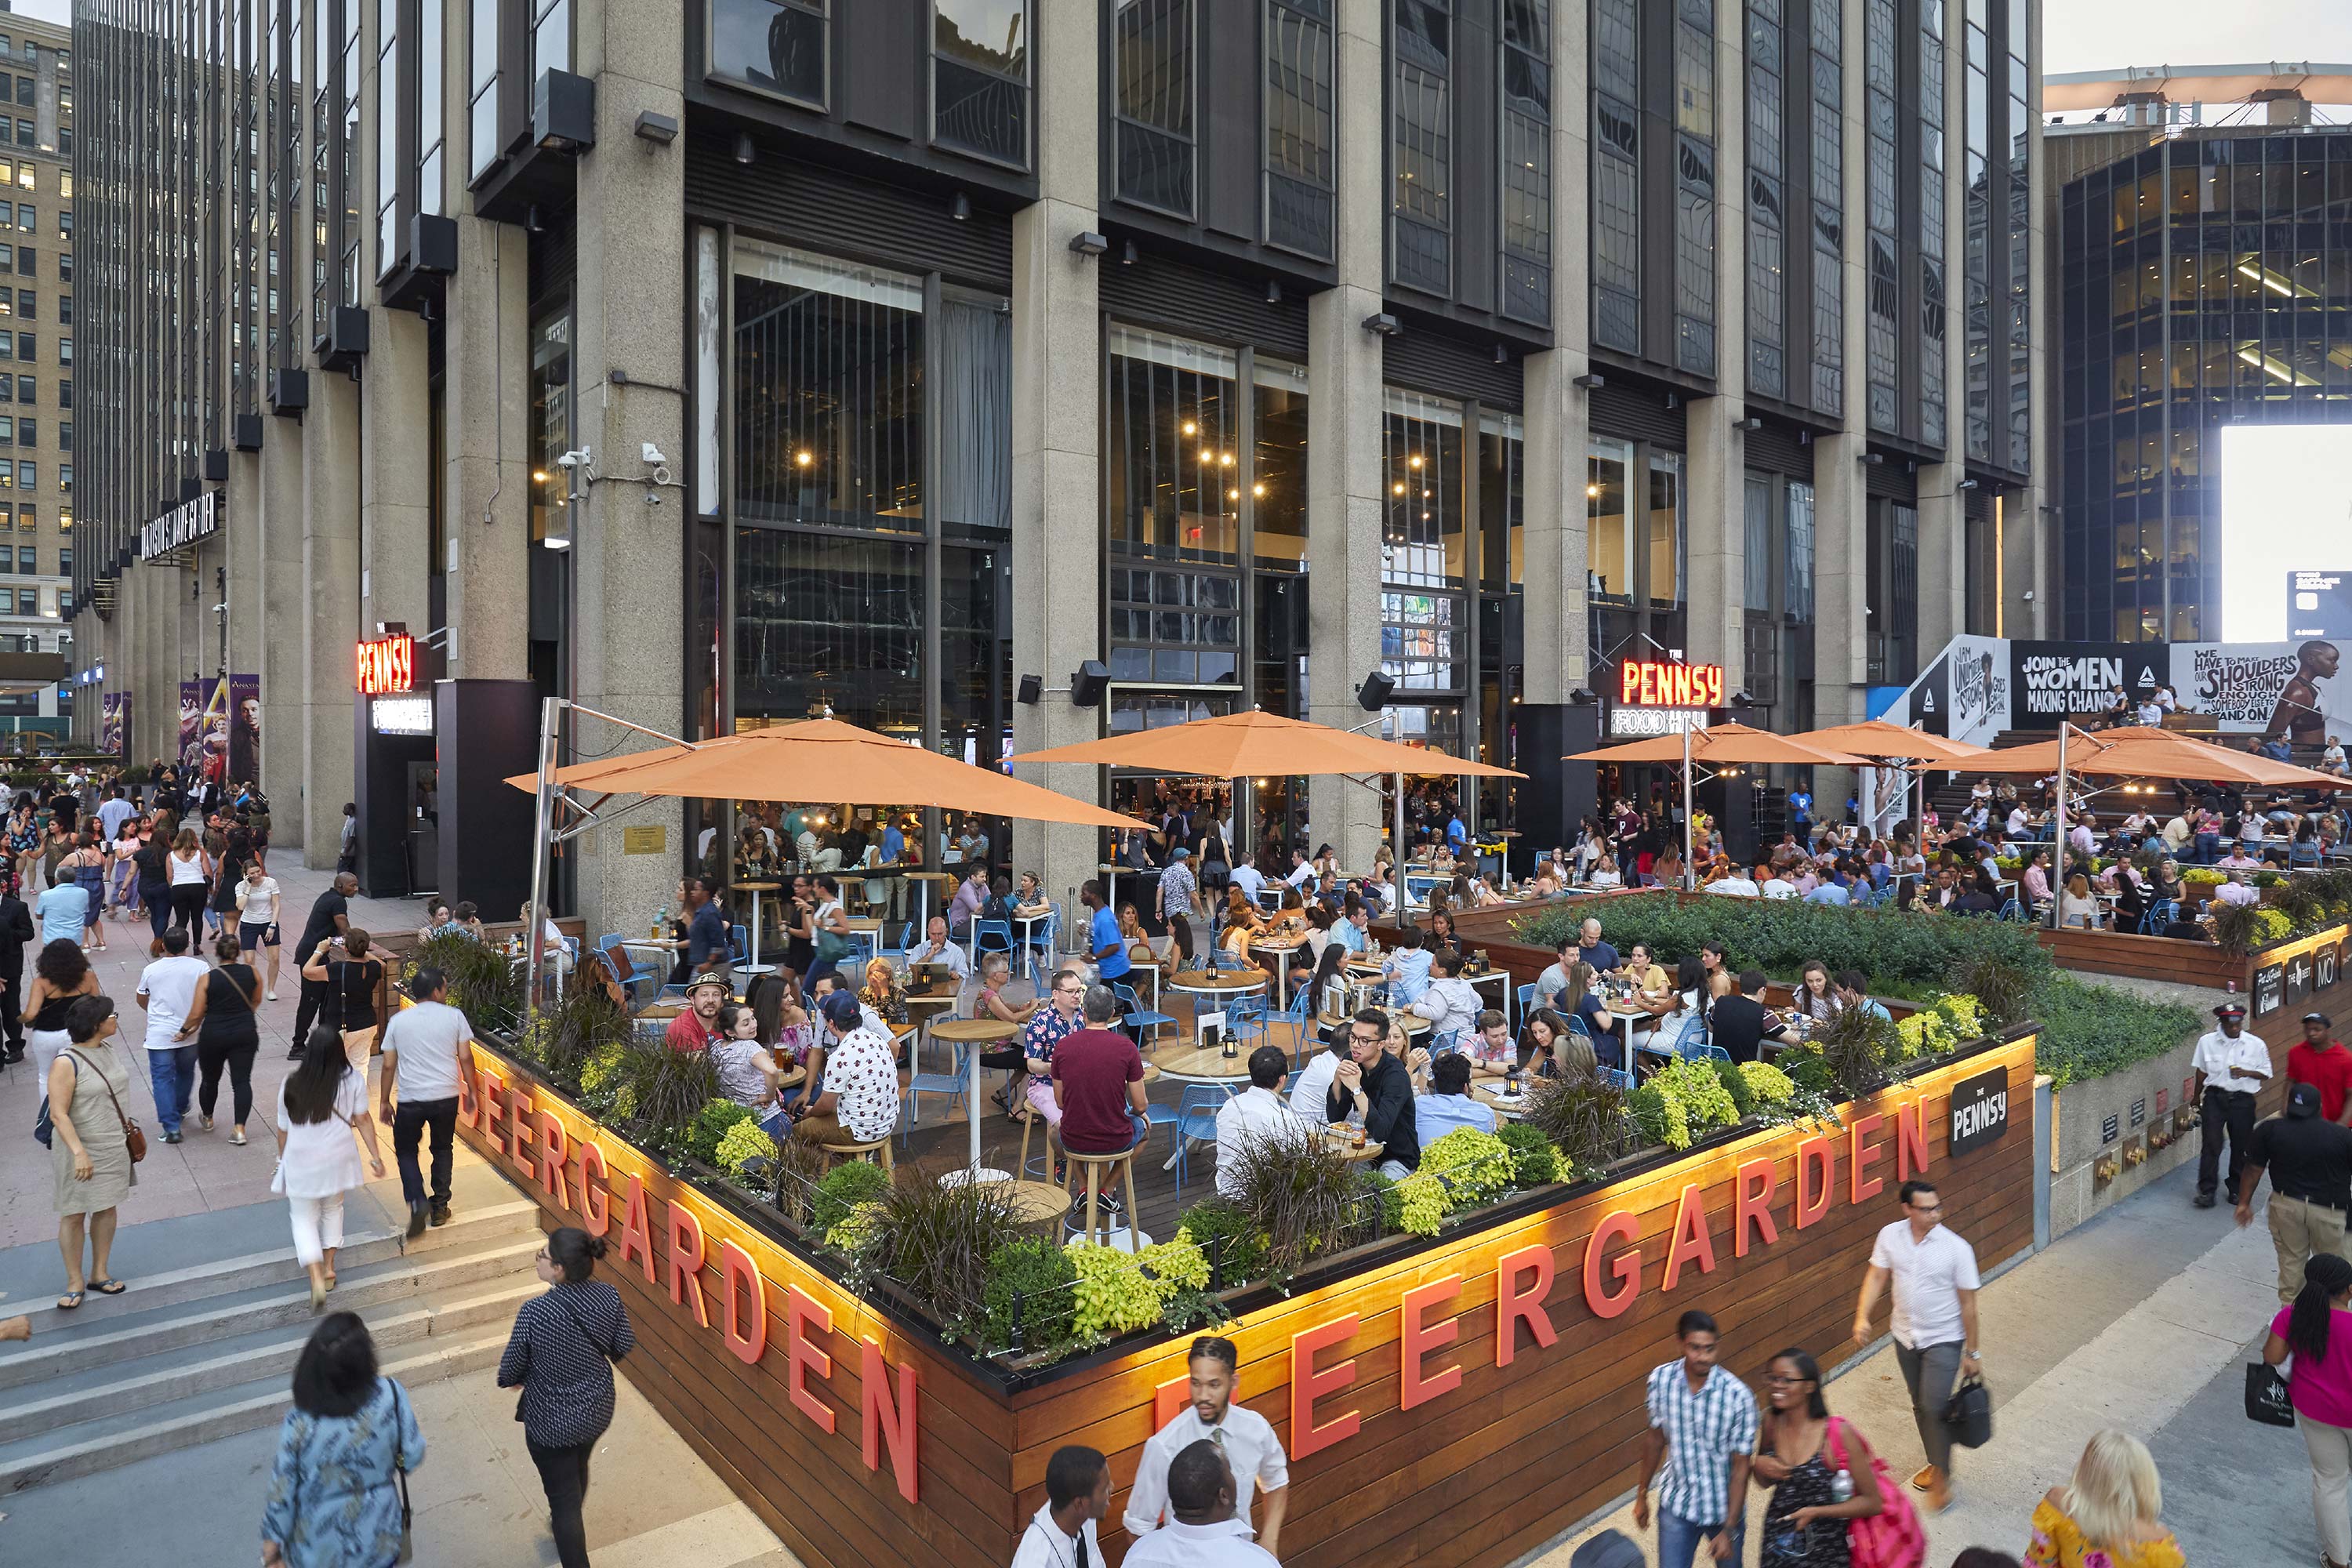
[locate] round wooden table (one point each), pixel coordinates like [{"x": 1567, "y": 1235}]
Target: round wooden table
[
  {"x": 793, "y": 1078},
  {"x": 1488, "y": 1092},
  {"x": 1344, "y": 1140},
  {"x": 973, "y": 1031},
  {"x": 1192, "y": 1064},
  {"x": 1218, "y": 982},
  {"x": 1414, "y": 1024},
  {"x": 1034, "y": 1203}
]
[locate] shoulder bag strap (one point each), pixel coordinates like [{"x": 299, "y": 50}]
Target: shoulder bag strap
[
  {"x": 565, "y": 1303},
  {"x": 103, "y": 1084}
]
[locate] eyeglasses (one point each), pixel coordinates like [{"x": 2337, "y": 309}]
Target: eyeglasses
[{"x": 1775, "y": 1379}]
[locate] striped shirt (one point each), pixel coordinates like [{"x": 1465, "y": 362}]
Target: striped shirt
[
  {"x": 561, "y": 1354},
  {"x": 1703, "y": 1427}
]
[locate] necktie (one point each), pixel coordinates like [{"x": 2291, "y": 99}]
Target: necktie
[{"x": 1082, "y": 1548}]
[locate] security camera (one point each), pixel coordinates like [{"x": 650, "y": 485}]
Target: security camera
[
  {"x": 575, "y": 458},
  {"x": 653, "y": 455}
]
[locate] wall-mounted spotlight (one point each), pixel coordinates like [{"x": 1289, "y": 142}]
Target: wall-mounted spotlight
[
  {"x": 746, "y": 149},
  {"x": 1751, "y": 423},
  {"x": 1966, "y": 485},
  {"x": 1383, "y": 325},
  {"x": 959, "y": 208},
  {"x": 1273, "y": 291},
  {"x": 659, "y": 129},
  {"x": 1502, "y": 354},
  {"x": 1873, "y": 459},
  {"x": 1593, "y": 380},
  {"x": 1129, "y": 255},
  {"x": 1087, "y": 242}
]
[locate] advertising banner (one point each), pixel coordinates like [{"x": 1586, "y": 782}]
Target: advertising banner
[
  {"x": 113, "y": 722},
  {"x": 215, "y": 716},
  {"x": 2053, "y": 680},
  {"x": 2266, "y": 689},
  {"x": 189, "y": 751},
  {"x": 245, "y": 728}
]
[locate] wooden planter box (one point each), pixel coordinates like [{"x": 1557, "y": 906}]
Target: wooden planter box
[
  {"x": 1494, "y": 1372},
  {"x": 2291, "y": 975}
]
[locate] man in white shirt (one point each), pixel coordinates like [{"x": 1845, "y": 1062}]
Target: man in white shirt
[
  {"x": 1247, "y": 1439},
  {"x": 1736, "y": 886},
  {"x": 2018, "y": 825},
  {"x": 167, "y": 989},
  {"x": 2236, "y": 891},
  {"x": 2230, "y": 1068},
  {"x": 2331, "y": 758},
  {"x": 1934, "y": 1275},
  {"x": 426, "y": 1049},
  {"x": 1062, "y": 1532},
  {"x": 935, "y": 947},
  {"x": 1301, "y": 875},
  {"x": 1256, "y": 1117},
  {"x": 1202, "y": 1534},
  {"x": 1775, "y": 886},
  {"x": 112, "y": 813}
]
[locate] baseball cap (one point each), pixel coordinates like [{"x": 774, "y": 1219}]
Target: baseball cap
[
  {"x": 1179, "y": 853},
  {"x": 841, "y": 1009},
  {"x": 2322, "y": 1019},
  {"x": 2303, "y": 1100}
]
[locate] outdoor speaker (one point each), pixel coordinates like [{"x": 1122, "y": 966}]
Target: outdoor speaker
[
  {"x": 1031, "y": 691},
  {"x": 1088, "y": 683},
  {"x": 1373, "y": 694}
]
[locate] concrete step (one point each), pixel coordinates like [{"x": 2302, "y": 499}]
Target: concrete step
[
  {"x": 87, "y": 1448},
  {"x": 228, "y": 1275},
  {"x": 146, "y": 1381}
]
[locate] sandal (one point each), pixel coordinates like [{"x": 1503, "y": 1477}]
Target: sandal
[
  {"x": 109, "y": 1287},
  {"x": 68, "y": 1301}
]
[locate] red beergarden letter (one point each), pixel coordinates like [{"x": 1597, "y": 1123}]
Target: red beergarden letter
[
  {"x": 1514, "y": 1306},
  {"x": 550, "y": 1159},
  {"x": 1693, "y": 1239},
  {"x": 1420, "y": 1338},
  {"x": 1910, "y": 1140},
  {"x": 636, "y": 1227},
  {"x": 685, "y": 1259},
  {"x": 1751, "y": 1205},
  {"x": 802, "y": 1354},
  {"x": 595, "y": 1197},
  {"x": 1618, "y": 1226},
  {"x": 885, "y": 1418},
  {"x": 739, "y": 1278},
  {"x": 1816, "y": 1173},
  {"x": 1859, "y": 1155},
  {"x": 1307, "y": 1386}
]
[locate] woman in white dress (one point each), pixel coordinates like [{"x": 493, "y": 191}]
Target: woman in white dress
[{"x": 321, "y": 1105}]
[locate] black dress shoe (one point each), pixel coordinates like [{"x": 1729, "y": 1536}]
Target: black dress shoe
[
  {"x": 2204, "y": 1200},
  {"x": 416, "y": 1217}
]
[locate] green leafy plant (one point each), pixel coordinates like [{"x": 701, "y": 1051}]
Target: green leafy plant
[
  {"x": 579, "y": 1026},
  {"x": 1422, "y": 1203},
  {"x": 1659, "y": 1117},
  {"x": 1119, "y": 1292},
  {"x": 1384, "y": 1190},
  {"x": 1474, "y": 1166},
  {"x": 934, "y": 1239},
  {"x": 2089, "y": 1031},
  {"x": 482, "y": 982},
  {"x": 711, "y": 1126},
  {"x": 1534, "y": 1161},
  {"x": 1583, "y": 1117},
  {"x": 856, "y": 1231},
  {"x": 793, "y": 1173},
  {"x": 1697, "y": 1091},
  {"x": 602, "y": 1076},
  {"x": 847, "y": 1186},
  {"x": 1029, "y": 1302},
  {"x": 1767, "y": 1085},
  {"x": 2003, "y": 992},
  {"x": 1856, "y": 1044},
  {"x": 1237, "y": 1248},
  {"x": 1743, "y": 1099},
  {"x": 2237, "y": 927},
  {"x": 666, "y": 1092},
  {"x": 744, "y": 1142}
]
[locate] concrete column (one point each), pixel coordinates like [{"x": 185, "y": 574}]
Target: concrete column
[
  {"x": 630, "y": 554},
  {"x": 1715, "y": 475},
  {"x": 1943, "y": 505},
  {"x": 2028, "y": 538},
  {"x": 1057, "y": 526},
  {"x": 278, "y": 584},
  {"x": 1344, "y": 434},
  {"x": 331, "y": 600},
  {"x": 1555, "y": 540},
  {"x": 395, "y": 479},
  {"x": 249, "y": 624},
  {"x": 486, "y": 477}
]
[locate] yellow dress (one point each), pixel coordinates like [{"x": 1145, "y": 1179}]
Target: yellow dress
[{"x": 2058, "y": 1542}]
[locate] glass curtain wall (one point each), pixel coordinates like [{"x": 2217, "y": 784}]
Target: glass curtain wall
[
  {"x": 1638, "y": 549},
  {"x": 1423, "y": 632}
]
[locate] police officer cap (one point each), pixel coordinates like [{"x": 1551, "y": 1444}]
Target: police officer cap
[{"x": 2231, "y": 1010}]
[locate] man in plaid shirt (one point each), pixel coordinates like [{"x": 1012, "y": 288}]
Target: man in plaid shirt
[{"x": 1703, "y": 1425}]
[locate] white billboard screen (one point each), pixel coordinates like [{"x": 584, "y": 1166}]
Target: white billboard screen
[{"x": 2286, "y": 507}]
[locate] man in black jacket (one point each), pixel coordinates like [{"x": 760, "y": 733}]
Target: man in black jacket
[
  {"x": 1377, "y": 1085},
  {"x": 16, "y": 930}
]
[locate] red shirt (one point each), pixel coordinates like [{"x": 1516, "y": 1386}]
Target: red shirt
[
  {"x": 686, "y": 1032},
  {"x": 2329, "y": 1066},
  {"x": 1094, "y": 1067}
]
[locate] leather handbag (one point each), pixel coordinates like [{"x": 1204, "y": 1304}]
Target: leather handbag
[
  {"x": 1968, "y": 1413},
  {"x": 134, "y": 1138},
  {"x": 2266, "y": 1395}
]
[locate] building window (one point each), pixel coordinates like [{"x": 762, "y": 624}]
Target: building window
[
  {"x": 29, "y": 600},
  {"x": 65, "y": 434},
  {"x": 550, "y": 38},
  {"x": 1420, "y": 145},
  {"x": 1827, "y": 350},
  {"x": 980, "y": 78},
  {"x": 1152, "y": 58},
  {"x": 65, "y": 310},
  {"x": 28, "y": 431},
  {"x": 27, "y": 561},
  {"x": 482, "y": 113},
  {"x": 431, "y": 112},
  {"x": 776, "y": 46},
  {"x": 65, "y": 351},
  {"x": 1933, "y": 298},
  {"x": 28, "y": 217},
  {"x": 65, "y": 393},
  {"x": 8, "y": 431},
  {"x": 1797, "y": 603},
  {"x": 1768, "y": 305},
  {"x": 65, "y": 266},
  {"x": 1975, "y": 274},
  {"x": 829, "y": 360},
  {"x": 1882, "y": 287},
  {"x": 1298, "y": 126},
  {"x": 1527, "y": 159},
  {"x": 24, "y": 305},
  {"x": 1694, "y": 187},
  {"x": 65, "y": 479},
  {"x": 25, "y": 262}
]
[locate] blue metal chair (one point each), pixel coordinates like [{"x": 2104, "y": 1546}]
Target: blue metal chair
[
  {"x": 1619, "y": 1076},
  {"x": 1526, "y": 994},
  {"x": 981, "y": 933},
  {"x": 629, "y": 972},
  {"x": 1195, "y": 1117},
  {"x": 1300, "y": 1016},
  {"x": 2161, "y": 913},
  {"x": 1135, "y": 1014},
  {"x": 1221, "y": 959},
  {"x": 907, "y": 940},
  {"x": 2303, "y": 852},
  {"x": 2012, "y": 911},
  {"x": 1691, "y": 1039},
  {"x": 1708, "y": 1053},
  {"x": 951, "y": 1083},
  {"x": 1245, "y": 1017}
]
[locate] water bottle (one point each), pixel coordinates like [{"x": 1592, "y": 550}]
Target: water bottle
[{"x": 1841, "y": 1486}]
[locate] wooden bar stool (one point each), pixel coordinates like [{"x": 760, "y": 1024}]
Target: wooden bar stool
[
  {"x": 876, "y": 1153},
  {"x": 1021, "y": 1173},
  {"x": 1125, "y": 1161}
]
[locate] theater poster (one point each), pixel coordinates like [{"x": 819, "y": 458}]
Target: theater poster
[
  {"x": 113, "y": 722},
  {"x": 245, "y": 728},
  {"x": 188, "y": 755},
  {"x": 220, "y": 727}
]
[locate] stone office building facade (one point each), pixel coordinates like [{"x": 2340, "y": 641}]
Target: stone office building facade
[{"x": 1245, "y": 346}]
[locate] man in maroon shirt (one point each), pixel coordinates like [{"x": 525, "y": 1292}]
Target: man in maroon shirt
[
  {"x": 1098, "y": 1082},
  {"x": 2321, "y": 1062}
]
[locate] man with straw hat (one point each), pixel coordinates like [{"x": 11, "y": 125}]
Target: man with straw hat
[{"x": 698, "y": 1024}]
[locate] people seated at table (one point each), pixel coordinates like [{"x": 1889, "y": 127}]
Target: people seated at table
[
  {"x": 2076, "y": 906},
  {"x": 1098, "y": 1082},
  {"x": 1314, "y": 1085},
  {"x": 1407, "y": 968},
  {"x": 1736, "y": 1022},
  {"x": 1605, "y": 874},
  {"x": 1044, "y": 1033},
  {"x": 2237, "y": 890},
  {"x": 1831, "y": 889},
  {"x": 1255, "y": 1119},
  {"x": 1771, "y": 884},
  {"x": 697, "y": 1023},
  {"x": 2033, "y": 882},
  {"x": 1854, "y": 991},
  {"x": 748, "y": 1073},
  {"x": 1735, "y": 883},
  {"x": 970, "y": 897},
  {"x": 1244, "y": 924},
  {"x": 988, "y": 1003},
  {"x": 1649, "y": 981},
  {"x": 935, "y": 947},
  {"x": 1489, "y": 1046},
  {"x": 859, "y": 1102},
  {"x": 1816, "y": 996},
  {"x": 1448, "y": 1106},
  {"x": 1374, "y": 1090},
  {"x": 1450, "y": 1002}
]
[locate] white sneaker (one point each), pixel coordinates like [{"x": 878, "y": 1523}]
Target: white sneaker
[{"x": 273, "y": 996}]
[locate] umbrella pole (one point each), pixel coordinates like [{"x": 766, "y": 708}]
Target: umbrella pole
[
  {"x": 1688, "y": 869},
  {"x": 2058, "y": 836},
  {"x": 1396, "y": 842},
  {"x": 542, "y": 825}
]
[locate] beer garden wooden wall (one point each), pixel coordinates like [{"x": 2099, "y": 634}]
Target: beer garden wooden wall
[{"x": 1453, "y": 1401}]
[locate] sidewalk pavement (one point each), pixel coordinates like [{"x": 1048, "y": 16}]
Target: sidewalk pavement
[
  {"x": 205, "y": 1173},
  {"x": 2138, "y": 1320}
]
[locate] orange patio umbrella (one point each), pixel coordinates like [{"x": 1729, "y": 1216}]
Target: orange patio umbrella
[
  {"x": 1725, "y": 743},
  {"x": 1878, "y": 739},
  {"x": 825, "y": 760},
  {"x": 1258, "y": 744},
  {"x": 2133, "y": 752}
]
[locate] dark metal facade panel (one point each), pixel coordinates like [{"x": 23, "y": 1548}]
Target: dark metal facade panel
[
  {"x": 554, "y": 258},
  {"x": 1627, "y": 413},
  {"x": 1775, "y": 450},
  {"x": 881, "y": 84},
  {"x": 1196, "y": 302},
  {"x": 1896, "y": 478},
  {"x": 1424, "y": 361},
  {"x": 1232, "y": 143},
  {"x": 803, "y": 204}
]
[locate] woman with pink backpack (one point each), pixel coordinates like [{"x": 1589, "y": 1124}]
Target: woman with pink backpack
[{"x": 1835, "y": 1504}]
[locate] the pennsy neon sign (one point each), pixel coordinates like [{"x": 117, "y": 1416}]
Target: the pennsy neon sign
[
  {"x": 1648, "y": 683},
  {"x": 387, "y": 665}
]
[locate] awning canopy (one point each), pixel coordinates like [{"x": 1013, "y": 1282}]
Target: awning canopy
[{"x": 1256, "y": 744}]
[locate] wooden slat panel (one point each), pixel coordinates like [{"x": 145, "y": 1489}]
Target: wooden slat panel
[{"x": 1524, "y": 1450}]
